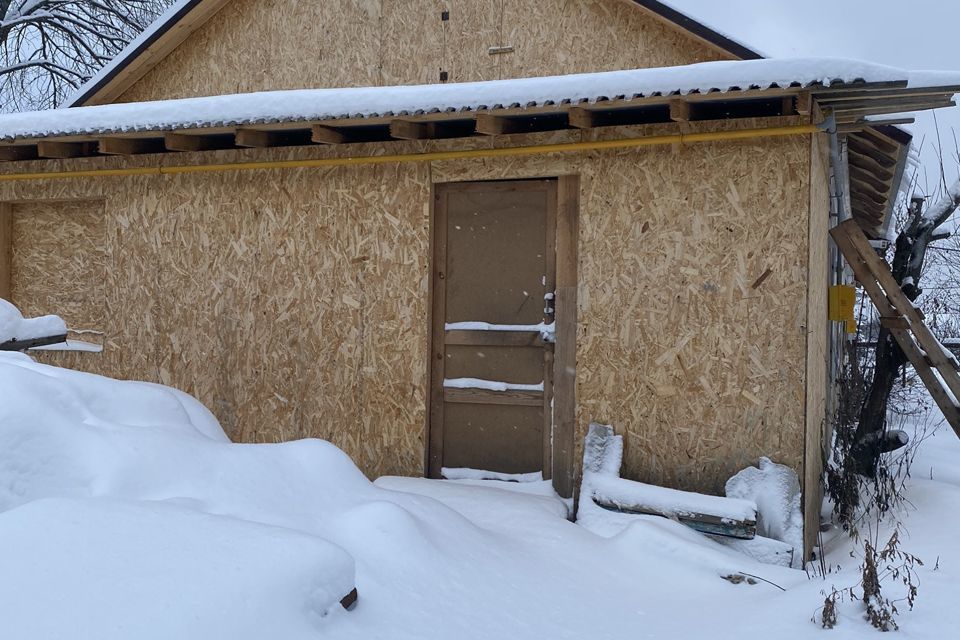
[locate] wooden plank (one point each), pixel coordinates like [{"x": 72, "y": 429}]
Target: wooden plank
[
  {"x": 581, "y": 118},
  {"x": 492, "y": 125},
  {"x": 842, "y": 236},
  {"x": 18, "y": 152},
  {"x": 550, "y": 274},
  {"x": 486, "y": 396},
  {"x": 565, "y": 350},
  {"x": 6, "y": 250},
  {"x": 50, "y": 149},
  {"x": 130, "y": 146},
  {"x": 260, "y": 138},
  {"x": 493, "y": 338},
  {"x": 881, "y": 272},
  {"x": 254, "y": 138},
  {"x": 894, "y": 322},
  {"x": 804, "y": 103},
  {"x": 328, "y": 135},
  {"x": 713, "y": 525},
  {"x": 192, "y": 142},
  {"x": 438, "y": 293},
  {"x": 410, "y": 130}
]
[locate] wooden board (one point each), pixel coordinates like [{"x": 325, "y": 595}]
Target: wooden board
[{"x": 818, "y": 328}]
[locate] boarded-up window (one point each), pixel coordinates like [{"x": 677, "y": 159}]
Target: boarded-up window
[{"x": 58, "y": 263}]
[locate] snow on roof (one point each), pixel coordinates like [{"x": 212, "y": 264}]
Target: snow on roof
[{"x": 397, "y": 101}]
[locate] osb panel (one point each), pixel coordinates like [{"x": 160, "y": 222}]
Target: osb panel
[
  {"x": 818, "y": 331},
  {"x": 558, "y": 36},
  {"x": 294, "y": 303},
  {"x": 58, "y": 266},
  {"x": 254, "y": 45},
  {"x": 414, "y": 24}
]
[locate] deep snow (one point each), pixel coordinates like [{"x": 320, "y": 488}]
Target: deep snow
[{"x": 125, "y": 512}]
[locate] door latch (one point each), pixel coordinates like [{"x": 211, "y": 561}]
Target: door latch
[{"x": 549, "y": 304}]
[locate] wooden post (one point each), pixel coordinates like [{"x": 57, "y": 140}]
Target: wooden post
[
  {"x": 6, "y": 250},
  {"x": 565, "y": 355}
]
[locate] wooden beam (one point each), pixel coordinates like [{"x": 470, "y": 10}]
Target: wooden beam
[
  {"x": 259, "y": 138},
  {"x": 493, "y": 338},
  {"x": 581, "y": 118},
  {"x": 254, "y": 138},
  {"x": 804, "y": 104},
  {"x": 409, "y": 130},
  {"x": 565, "y": 350},
  {"x": 129, "y": 146},
  {"x": 680, "y": 110},
  {"x": 6, "y": 250},
  {"x": 492, "y": 125},
  {"x": 485, "y": 396},
  {"x": 51, "y": 149},
  {"x": 322, "y": 134},
  {"x": 18, "y": 152},
  {"x": 188, "y": 142}
]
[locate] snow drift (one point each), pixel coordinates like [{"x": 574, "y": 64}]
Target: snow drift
[{"x": 126, "y": 513}]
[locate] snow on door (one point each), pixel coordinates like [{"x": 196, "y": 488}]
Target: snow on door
[{"x": 494, "y": 280}]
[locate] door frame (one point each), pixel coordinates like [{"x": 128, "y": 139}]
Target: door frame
[{"x": 559, "y": 445}]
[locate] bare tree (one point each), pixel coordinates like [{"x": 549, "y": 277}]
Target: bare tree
[{"x": 51, "y": 47}]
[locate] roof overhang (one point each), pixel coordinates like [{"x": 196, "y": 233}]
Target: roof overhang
[
  {"x": 876, "y": 160},
  {"x": 850, "y": 91},
  {"x": 855, "y": 94}
]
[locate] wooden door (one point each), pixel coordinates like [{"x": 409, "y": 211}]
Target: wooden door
[{"x": 494, "y": 284}]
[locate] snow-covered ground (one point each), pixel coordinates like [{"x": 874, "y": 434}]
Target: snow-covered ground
[{"x": 126, "y": 513}]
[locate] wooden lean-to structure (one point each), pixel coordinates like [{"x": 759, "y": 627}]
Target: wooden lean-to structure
[{"x": 291, "y": 270}]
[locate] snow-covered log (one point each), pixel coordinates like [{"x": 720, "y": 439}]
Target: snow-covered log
[
  {"x": 602, "y": 457},
  {"x": 18, "y": 333}
]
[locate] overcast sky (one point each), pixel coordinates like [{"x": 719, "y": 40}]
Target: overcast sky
[{"x": 921, "y": 34}]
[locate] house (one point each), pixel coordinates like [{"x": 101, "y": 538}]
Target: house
[{"x": 463, "y": 273}]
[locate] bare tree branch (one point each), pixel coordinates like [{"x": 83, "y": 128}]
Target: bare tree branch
[{"x": 48, "y": 48}]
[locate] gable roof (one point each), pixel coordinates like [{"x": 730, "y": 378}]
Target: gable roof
[
  {"x": 699, "y": 30},
  {"x": 184, "y": 17}
]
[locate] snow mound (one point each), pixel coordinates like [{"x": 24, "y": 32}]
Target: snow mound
[
  {"x": 775, "y": 489},
  {"x": 13, "y": 326},
  {"x": 114, "y": 569}
]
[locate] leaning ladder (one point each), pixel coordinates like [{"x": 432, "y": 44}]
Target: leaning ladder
[{"x": 937, "y": 369}]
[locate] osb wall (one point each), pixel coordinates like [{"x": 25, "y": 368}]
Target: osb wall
[
  {"x": 294, "y": 303},
  {"x": 255, "y": 45},
  {"x": 58, "y": 262}
]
